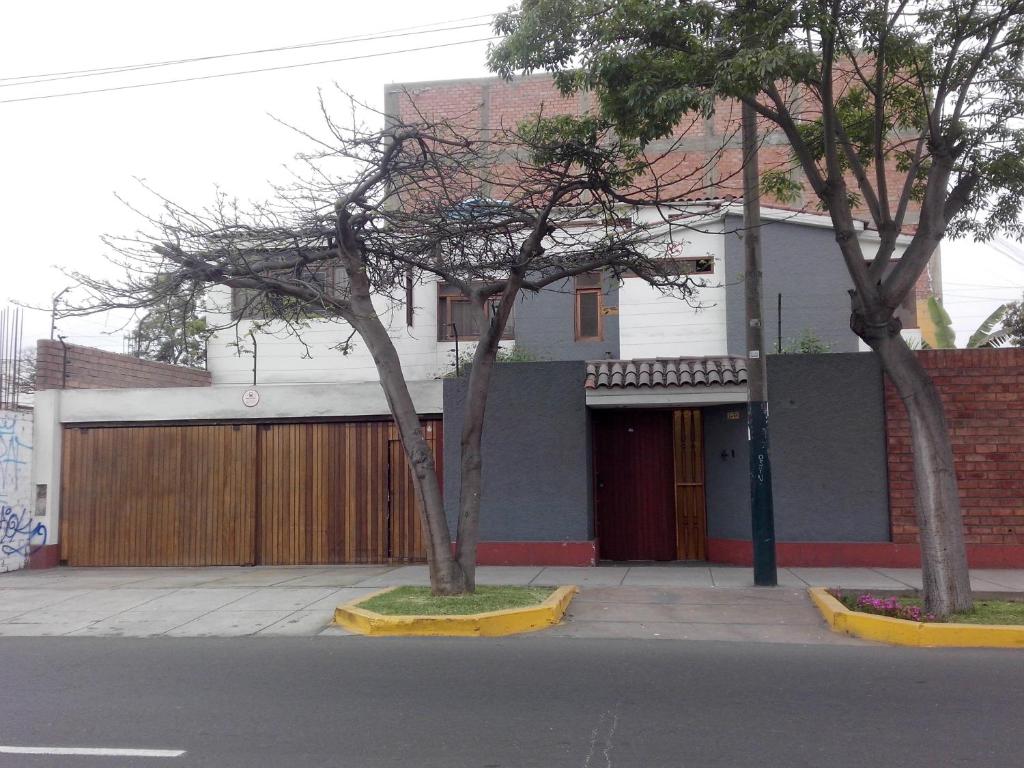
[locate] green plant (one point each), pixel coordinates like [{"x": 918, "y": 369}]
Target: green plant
[
  {"x": 515, "y": 354},
  {"x": 807, "y": 343},
  {"x": 937, "y": 329}
]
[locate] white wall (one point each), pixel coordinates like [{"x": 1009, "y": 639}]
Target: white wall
[
  {"x": 282, "y": 358},
  {"x": 652, "y": 324},
  {"x": 21, "y": 531}
]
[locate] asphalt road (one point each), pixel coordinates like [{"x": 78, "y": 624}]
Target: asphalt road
[{"x": 535, "y": 701}]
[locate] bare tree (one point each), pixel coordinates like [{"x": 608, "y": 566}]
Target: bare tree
[{"x": 496, "y": 214}]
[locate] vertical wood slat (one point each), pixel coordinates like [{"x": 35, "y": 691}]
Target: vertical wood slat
[
  {"x": 326, "y": 490},
  {"x": 691, "y": 518},
  {"x": 157, "y": 495},
  {"x": 189, "y": 495}
]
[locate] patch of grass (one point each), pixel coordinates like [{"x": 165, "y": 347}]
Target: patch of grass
[
  {"x": 985, "y": 611},
  {"x": 417, "y": 601},
  {"x": 993, "y": 612}
]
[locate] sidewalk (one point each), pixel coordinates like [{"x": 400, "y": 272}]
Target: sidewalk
[{"x": 668, "y": 602}]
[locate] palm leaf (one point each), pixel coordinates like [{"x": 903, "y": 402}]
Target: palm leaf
[
  {"x": 937, "y": 328},
  {"x": 984, "y": 336}
]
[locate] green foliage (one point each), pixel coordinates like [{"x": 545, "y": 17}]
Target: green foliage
[
  {"x": 807, "y": 343},
  {"x": 418, "y": 601},
  {"x": 937, "y": 331},
  {"x": 172, "y": 330},
  {"x": 943, "y": 336},
  {"x": 652, "y": 63},
  {"x": 513, "y": 354},
  {"x": 1013, "y": 323},
  {"x": 583, "y": 142}
]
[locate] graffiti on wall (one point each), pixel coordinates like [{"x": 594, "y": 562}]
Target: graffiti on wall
[
  {"x": 20, "y": 533},
  {"x": 15, "y": 453}
]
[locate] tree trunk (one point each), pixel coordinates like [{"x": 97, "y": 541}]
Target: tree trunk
[
  {"x": 947, "y": 586},
  {"x": 477, "y": 389},
  {"x": 446, "y": 575}
]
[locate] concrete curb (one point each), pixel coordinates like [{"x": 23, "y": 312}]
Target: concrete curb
[
  {"x": 920, "y": 634},
  {"x": 511, "y": 621}
]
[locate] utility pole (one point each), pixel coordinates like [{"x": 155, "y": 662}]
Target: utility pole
[{"x": 761, "y": 510}]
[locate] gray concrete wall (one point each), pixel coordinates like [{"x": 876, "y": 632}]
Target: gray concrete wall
[
  {"x": 546, "y": 324},
  {"x": 536, "y": 451},
  {"x": 827, "y": 447},
  {"x": 802, "y": 262}
]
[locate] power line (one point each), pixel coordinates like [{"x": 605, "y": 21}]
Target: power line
[
  {"x": 8, "y": 82},
  {"x": 246, "y": 71}
]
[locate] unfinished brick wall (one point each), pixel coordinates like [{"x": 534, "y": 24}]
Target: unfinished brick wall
[
  {"x": 691, "y": 163},
  {"x": 983, "y": 392},
  {"x": 88, "y": 368}
]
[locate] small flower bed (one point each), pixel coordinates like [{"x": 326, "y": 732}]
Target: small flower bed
[{"x": 893, "y": 607}]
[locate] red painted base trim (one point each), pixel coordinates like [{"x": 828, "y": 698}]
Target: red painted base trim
[
  {"x": 47, "y": 556},
  {"x": 859, "y": 554},
  {"x": 536, "y": 553}
]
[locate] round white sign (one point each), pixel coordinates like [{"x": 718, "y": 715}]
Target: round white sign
[{"x": 250, "y": 398}]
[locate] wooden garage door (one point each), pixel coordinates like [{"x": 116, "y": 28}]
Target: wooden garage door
[
  {"x": 158, "y": 495},
  {"x": 274, "y": 494},
  {"x": 337, "y": 493}
]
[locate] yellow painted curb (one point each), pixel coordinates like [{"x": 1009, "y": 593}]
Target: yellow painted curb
[
  {"x": 510, "y": 621},
  {"x": 884, "y": 629}
]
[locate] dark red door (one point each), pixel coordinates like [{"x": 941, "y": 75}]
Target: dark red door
[{"x": 634, "y": 496}]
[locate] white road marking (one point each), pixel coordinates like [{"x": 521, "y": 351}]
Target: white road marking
[{"x": 92, "y": 751}]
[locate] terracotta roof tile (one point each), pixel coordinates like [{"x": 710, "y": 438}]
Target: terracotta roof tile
[{"x": 666, "y": 372}]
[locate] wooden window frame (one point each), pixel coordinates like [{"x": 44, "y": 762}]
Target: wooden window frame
[
  {"x": 581, "y": 290},
  {"x": 448, "y": 295}
]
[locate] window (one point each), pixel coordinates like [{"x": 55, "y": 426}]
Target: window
[
  {"x": 254, "y": 303},
  {"x": 589, "y": 303},
  {"x": 457, "y": 317}
]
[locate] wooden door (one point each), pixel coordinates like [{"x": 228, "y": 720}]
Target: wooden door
[
  {"x": 688, "y": 438},
  {"x": 336, "y": 493},
  {"x": 158, "y": 495},
  {"x": 635, "y": 511}
]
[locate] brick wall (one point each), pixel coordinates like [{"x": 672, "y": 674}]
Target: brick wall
[
  {"x": 983, "y": 393},
  {"x": 89, "y": 368},
  {"x": 692, "y": 162}
]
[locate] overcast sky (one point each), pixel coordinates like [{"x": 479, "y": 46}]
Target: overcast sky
[{"x": 62, "y": 160}]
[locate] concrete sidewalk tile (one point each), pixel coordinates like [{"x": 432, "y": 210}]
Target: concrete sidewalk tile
[
  {"x": 847, "y": 578},
  {"x": 684, "y": 576},
  {"x": 198, "y": 599},
  {"x": 340, "y": 576},
  {"x": 228, "y": 624},
  {"x": 197, "y": 578},
  {"x": 263, "y": 576},
  {"x": 1004, "y": 579},
  {"x": 300, "y": 623},
  {"x": 43, "y": 623},
  {"x": 517, "y": 575},
  {"x": 732, "y": 577},
  {"x": 137, "y": 624},
  {"x": 31, "y": 599},
  {"x": 340, "y": 597},
  {"x": 115, "y": 600},
  {"x": 279, "y": 599},
  {"x": 610, "y": 576},
  {"x": 415, "y": 575},
  {"x": 694, "y": 613},
  {"x": 909, "y": 577}
]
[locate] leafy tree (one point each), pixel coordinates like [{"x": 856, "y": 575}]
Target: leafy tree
[
  {"x": 495, "y": 214},
  {"x": 1013, "y": 322},
  {"x": 172, "y": 330},
  {"x": 886, "y": 105}
]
